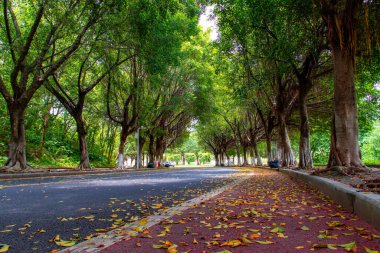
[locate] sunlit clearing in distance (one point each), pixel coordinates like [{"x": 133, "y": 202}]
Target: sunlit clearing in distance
[{"x": 208, "y": 21}]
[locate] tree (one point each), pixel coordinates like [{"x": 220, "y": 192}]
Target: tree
[
  {"x": 124, "y": 97},
  {"x": 190, "y": 157},
  {"x": 40, "y": 38},
  {"x": 342, "y": 20}
]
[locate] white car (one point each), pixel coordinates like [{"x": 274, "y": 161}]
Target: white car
[{"x": 168, "y": 164}]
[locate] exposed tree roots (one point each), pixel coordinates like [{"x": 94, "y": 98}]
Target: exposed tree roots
[
  {"x": 343, "y": 170},
  {"x": 17, "y": 169},
  {"x": 83, "y": 167}
]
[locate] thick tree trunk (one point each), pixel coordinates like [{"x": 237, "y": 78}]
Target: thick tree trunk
[
  {"x": 150, "y": 149},
  {"x": 228, "y": 160},
  {"x": 84, "y": 163},
  {"x": 238, "y": 155},
  {"x": 120, "y": 156},
  {"x": 252, "y": 155},
  {"x": 216, "y": 157},
  {"x": 17, "y": 145},
  {"x": 269, "y": 149},
  {"x": 344, "y": 149},
  {"x": 257, "y": 154},
  {"x": 286, "y": 153},
  {"x": 159, "y": 149},
  {"x": 305, "y": 157},
  {"x": 245, "y": 160}
]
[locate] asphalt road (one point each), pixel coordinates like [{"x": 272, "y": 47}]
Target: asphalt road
[{"x": 33, "y": 211}]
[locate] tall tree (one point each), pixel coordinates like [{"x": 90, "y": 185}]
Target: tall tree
[
  {"x": 36, "y": 33},
  {"x": 342, "y": 20}
]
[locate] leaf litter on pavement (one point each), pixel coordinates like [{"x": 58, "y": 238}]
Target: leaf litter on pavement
[
  {"x": 268, "y": 213},
  {"x": 121, "y": 211}
]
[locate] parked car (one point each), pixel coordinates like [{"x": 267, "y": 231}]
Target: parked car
[
  {"x": 274, "y": 164},
  {"x": 168, "y": 164}
]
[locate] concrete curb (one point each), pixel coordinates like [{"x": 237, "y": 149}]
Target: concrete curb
[
  {"x": 78, "y": 173},
  {"x": 365, "y": 205},
  {"x": 105, "y": 240},
  {"x": 60, "y": 174}
]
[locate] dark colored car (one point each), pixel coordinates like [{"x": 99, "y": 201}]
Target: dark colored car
[{"x": 274, "y": 164}]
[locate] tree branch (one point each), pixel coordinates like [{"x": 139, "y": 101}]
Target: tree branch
[
  {"x": 3, "y": 90},
  {"x": 8, "y": 30}
]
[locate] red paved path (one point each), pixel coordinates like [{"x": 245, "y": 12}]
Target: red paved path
[{"x": 263, "y": 202}]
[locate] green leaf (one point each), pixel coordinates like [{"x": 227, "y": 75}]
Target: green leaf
[
  {"x": 278, "y": 229},
  {"x": 348, "y": 246}
]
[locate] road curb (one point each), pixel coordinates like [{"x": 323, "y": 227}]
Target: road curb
[
  {"x": 75, "y": 173},
  {"x": 365, "y": 204},
  {"x": 105, "y": 240},
  {"x": 58, "y": 174}
]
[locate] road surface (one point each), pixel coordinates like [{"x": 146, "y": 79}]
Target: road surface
[{"x": 34, "y": 211}]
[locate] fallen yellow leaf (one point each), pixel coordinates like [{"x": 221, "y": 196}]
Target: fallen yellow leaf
[
  {"x": 172, "y": 249},
  {"x": 368, "y": 250},
  {"x": 254, "y": 236},
  {"x": 4, "y": 248},
  {"x": 156, "y": 206},
  {"x": 65, "y": 243},
  {"x": 264, "y": 242},
  {"x": 232, "y": 243}
]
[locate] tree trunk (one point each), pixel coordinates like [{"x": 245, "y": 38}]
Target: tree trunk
[
  {"x": 344, "y": 149},
  {"x": 150, "y": 149},
  {"x": 257, "y": 154},
  {"x": 44, "y": 127},
  {"x": 342, "y": 18},
  {"x": 269, "y": 149},
  {"x": 141, "y": 147},
  {"x": 238, "y": 155},
  {"x": 252, "y": 155},
  {"x": 120, "y": 156},
  {"x": 183, "y": 158},
  {"x": 216, "y": 156},
  {"x": 17, "y": 148},
  {"x": 286, "y": 153},
  {"x": 245, "y": 160},
  {"x": 305, "y": 157},
  {"x": 84, "y": 163}
]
